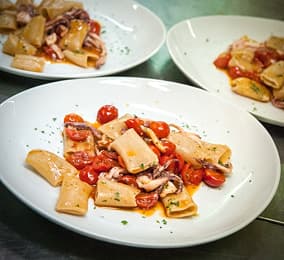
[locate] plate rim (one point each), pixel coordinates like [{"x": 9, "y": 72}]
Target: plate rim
[
  {"x": 104, "y": 238},
  {"x": 193, "y": 78}
]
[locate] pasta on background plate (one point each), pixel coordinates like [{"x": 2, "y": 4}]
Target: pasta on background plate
[
  {"x": 64, "y": 33},
  {"x": 256, "y": 69},
  {"x": 130, "y": 162}
]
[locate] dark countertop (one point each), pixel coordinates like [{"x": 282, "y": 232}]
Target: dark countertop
[{"x": 26, "y": 235}]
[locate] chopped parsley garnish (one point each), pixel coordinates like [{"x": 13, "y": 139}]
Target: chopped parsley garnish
[{"x": 124, "y": 222}]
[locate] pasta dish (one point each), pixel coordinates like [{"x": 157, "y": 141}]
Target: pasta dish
[
  {"x": 54, "y": 31},
  {"x": 129, "y": 162},
  {"x": 256, "y": 69}
]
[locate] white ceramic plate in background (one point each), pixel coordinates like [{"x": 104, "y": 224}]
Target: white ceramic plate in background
[
  {"x": 131, "y": 32},
  {"x": 195, "y": 43},
  {"x": 33, "y": 119}
]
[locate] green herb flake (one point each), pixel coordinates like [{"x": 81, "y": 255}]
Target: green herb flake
[
  {"x": 164, "y": 222},
  {"x": 117, "y": 196},
  {"x": 124, "y": 222}
]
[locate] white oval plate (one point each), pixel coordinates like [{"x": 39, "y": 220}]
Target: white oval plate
[
  {"x": 195, "y": 43},
  {"x": 33, "y": 119},
  {"x": 131, "y": 32}
]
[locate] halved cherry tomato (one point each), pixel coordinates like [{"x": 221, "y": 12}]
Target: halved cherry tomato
[
  {"x": 169, "y": 146},
  {"x": 235, "y": 72},
  {"x": 102, "y": 163},
  {"x": 147, "y": 200},
  {"x": 180, "y": 162},
  {"x": 95, "y": 27},
  {"x": 72, "y": 117},
  {"x": 121, "y": 162},
  {"x": 77, "y": 135},
  {"x": 107, "y": 113},
  {"x": 80, "y": 159},
  {"x": 266, "y": 55},
  {"x": 128, "y": 179},
  {"x": 155, "y": 150},
  {"x": 136, "y": 124},
  {"x": 89, "y": 175},
  {"x": 190, "y": 175},
  {"x": 160, "y": 128},
  {"x": 222, "y": 61},
  {"x": 177, "y": 162},
  {"x": 213, "y": 178}
]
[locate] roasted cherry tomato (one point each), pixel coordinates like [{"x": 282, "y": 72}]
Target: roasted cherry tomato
[
  {"x": 190, "y": 175},
  {"x": 155, "y": 150},
  {"x": 121, "y": 162},
  {"x": 80, "y": 159},
  {"x": 222, "y": 61},
  {"x": 213, "y": 178},
  {"x": 77, "y": 135},
  {"x": 266, "y": 56},
  {"x": 95, "y": 27},
  {"x": 102, "y": 163},
  {"x": 136, "y": 124},
  {"x": 72, "y": 117},
  {"x": 107, "y": 113},
  {"x": 128, "y": 179},
  {"x": 89, "y": 175},
  {"x": 177, "y": 162},
  {"x": 180, "y": 162},
  {"x": 170, "y": 147},
  {"x": 147, "y": 200},
  {"x": 236, "y": 72},
  {"x": 160, "y": 128}
]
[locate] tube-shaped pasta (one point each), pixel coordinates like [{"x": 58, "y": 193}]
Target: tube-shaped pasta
[
  {"x": 28, "y": 62},
  {"x": 194, "y": 150},
  {"x": 10, "y": 45},
  {"x": 116, "y": 127},
  {"x": 75, "y": 37},
  {"x": 7, "y": 22},
  {"x": 53, "y": 8},
  {"x": 275, "y": 43},
  {"x": 81, "y": 58},
  {"x": 273, "y": 75},
  {"x": 135, "y": 153},
  {"x": 5, "y": 4},
  {"x": 115, "y": 194},
  {"x": 24, "y": 47},
  {"x": 71, "y": 146},
  {"x": 34, "y": 31},
  {"x": 50, "y": 166},
  {"x": 73, "y": 197},
  {"x": 179, "y": 205},
  {"x": 250, "y": 88}
]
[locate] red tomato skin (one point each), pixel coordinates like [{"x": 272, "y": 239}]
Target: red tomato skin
[
  {"x": 213, "y": 178},
  {"x": 72, "y": 117},
  {"x": 192, "y": 176},
  {"x": 77, "y": 135},
  {"x": 107, "y": 113},
  {"x": 146, "y": 200},
  {"x": 222, "y": 61},
  {"x": 128, "y": 179},
  {"x": 266, "y": 56},
  {"x": 160, "y": 128},
  {"x": 169, "y": 147},
  {"x": 80, "y": 159},
  {"x": 236, "y": 72},
  {"x": 102, "y": 163},
  {"x": 136, "y": 124},
  {"x": 95, "y": 27},
  {"x": 89, "y": 175},
  {"x": 155, "y": 150}
]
